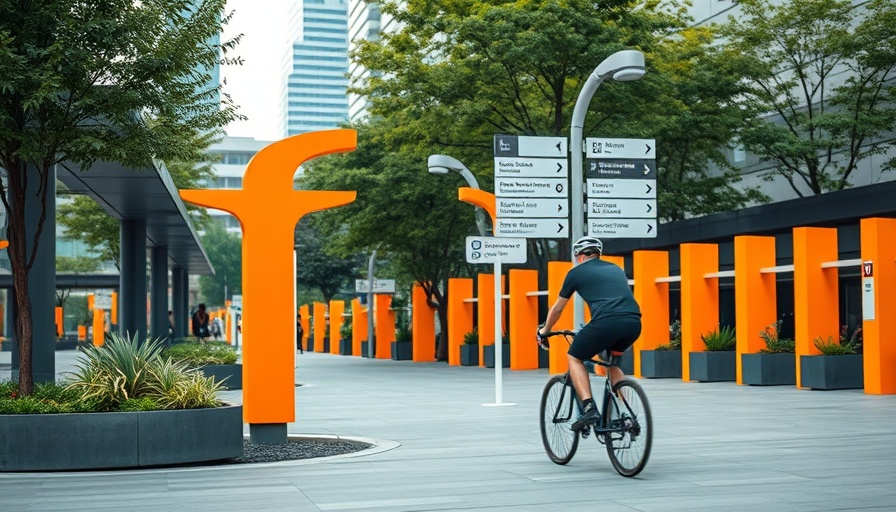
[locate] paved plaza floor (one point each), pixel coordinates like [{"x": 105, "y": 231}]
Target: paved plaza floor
[{"x": 717, "y": 447}]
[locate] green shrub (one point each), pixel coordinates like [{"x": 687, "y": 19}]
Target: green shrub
[
  {"x": 719, "y": 340},
  {"x": 345, "y": 332},
  {"x": 774, "y": 344},
  {"x": 403, "y": 333},
  {"x": 201, "y": 354},
  {"x": 47, "y": 398},
  {"x": 674, "y": 337},
  {"x": 845, "y": 346},
  {"x": 123, "y": 372},
  {"x": 472, "y": 337},
  {"x": 144, "y": 403}
]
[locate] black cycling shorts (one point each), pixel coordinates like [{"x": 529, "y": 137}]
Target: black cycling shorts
[{"x": 616, "y": 334}]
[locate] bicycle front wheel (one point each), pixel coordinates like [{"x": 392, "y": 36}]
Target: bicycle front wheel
[
  {"x": 630, "y": 428},
  {"x": 558, "y": 411}
]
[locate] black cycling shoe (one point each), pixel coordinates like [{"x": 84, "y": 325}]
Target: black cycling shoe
[{"x": 590, "y": 417}]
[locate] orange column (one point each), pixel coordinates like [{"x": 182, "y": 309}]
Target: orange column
[
  {"x": 557, "y": 362},
  {"x": 113, "y": 315},
  {"x": 755, "y": 299},
  {"x": 60, "y": 328},
  {"x": 815, "y": 290},
  {"x": 359, "y": 326},
  {"x": 879, "y": 249},
  {"x": 320, "y": 325},
  {"x": 699, "y": 299},
  {"x": 423, "y": 327},
  {"x": 384, "y": 326},
  {"x": 653, "y": 298},
  {"x": 460, "y": 316},
  {"x": 306, "y": 325},
  {"x": 523, "y": 319},
  {"x": 99, "y": 328},
  {"x": 485, "y": 311},
  {"x": 337, "y": 308}
]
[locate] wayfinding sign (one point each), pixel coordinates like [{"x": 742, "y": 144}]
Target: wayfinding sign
[
  {"x": 484, "y": 249},
  {"x": 379, "y": 286},
  {"x": 621, "y": 187},
  {"x": 531, "y": 186}
]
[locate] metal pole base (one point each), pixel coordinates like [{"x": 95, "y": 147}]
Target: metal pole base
[{"x": 267, "y": 433}]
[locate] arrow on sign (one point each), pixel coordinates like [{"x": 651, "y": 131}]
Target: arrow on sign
[
  {"x": 559, "y": 167},
  {"x": 559, "y": 227},
  {"x": 649, "y": 188},
  {"x": 558, "y": 146},
  {"x": 648, "y": 148},
  {"x": 649, "y": 208},
  {"x": 646, "y": 170},
  {"x": 559, "y": 207},
  {"x": 649, "y": 228}
]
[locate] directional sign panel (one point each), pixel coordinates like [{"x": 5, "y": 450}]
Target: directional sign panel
[
  {"x": 549, "y": 208},
  {"x": 522, "y": 145},
  {"x": 531, "y": 167},
  {"x": 379, "y": 286},
  {"x": 620, "y": 148},
  {"x": 482, "y": 249},
  {"x": 531, "y": 187},
  {"x": 623, "y": 169},
  {"x": 612, "y": 188},
  {"x": 533, "y": 228},
  {"x": 622, "y": 228},
  {"x": 622, "y": 208}
]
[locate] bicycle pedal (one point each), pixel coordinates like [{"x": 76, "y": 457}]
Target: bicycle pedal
[{"x": 586, "y": 431}]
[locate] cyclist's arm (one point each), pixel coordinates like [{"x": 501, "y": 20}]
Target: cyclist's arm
[{"x": 554, "y": 314}]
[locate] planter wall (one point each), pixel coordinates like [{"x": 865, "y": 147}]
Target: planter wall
[
  {"x": 769, "y": 369},
  {"x": 469, "y": 355},
  {"x": 488, "y": 353},
  {"x": 345, "y": 346},
  {"x": 832, "y": 372},
  {"x": 661, "y": 364},
  {"x": 310, "y": 344},
  {"x": 402, "y": 350},
  {"x": 713, "y": 366},
  {"x": 52, "y": 442},
  {"x": 231, "y": 375}
]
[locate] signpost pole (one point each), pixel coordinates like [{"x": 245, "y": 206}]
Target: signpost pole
[{"x": 499, "y": 352}]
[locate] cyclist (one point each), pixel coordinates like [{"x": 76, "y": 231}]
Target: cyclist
[{"x": 615, "y": 318}]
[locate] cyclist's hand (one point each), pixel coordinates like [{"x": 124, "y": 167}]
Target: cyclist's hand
[{"x": 542, "y": 341}]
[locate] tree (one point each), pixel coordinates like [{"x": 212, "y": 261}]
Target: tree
[
  {"x": 821, "y": 93},
  {"x": 224, "y": 251},
  {"x": 456, "y": 74},
  {"x": 399, "y": 211},
  {"x": 319, "y": 268},
  {"x": 97, "y": 80},
  {"x": 73, "y": 265}
]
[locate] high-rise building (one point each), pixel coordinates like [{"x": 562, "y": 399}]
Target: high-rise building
[
  {"x": 365, "y": 23},
  {"x": 234, "y": 154},
  {"x": 314, "y": 94}
]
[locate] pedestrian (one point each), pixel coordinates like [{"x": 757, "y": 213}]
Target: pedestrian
[
  {"x": 200, "y": 323},
  {"x": 300, "y": 333}
]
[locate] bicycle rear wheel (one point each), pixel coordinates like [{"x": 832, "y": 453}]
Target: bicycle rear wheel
[
  {"x": 629, "y": 419},
  {"x": 558, "y": 411}
]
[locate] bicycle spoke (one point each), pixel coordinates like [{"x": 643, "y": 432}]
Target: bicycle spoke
[
  {"x": 557, "y": 414},
  {"x": 630, "y": 433}
]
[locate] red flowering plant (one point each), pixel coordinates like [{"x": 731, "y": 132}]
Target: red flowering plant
[{"x": 773, "y": 343}]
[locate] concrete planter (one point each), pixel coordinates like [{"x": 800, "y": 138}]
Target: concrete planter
[
  {"x": 713, "y": 366},
  {"x": 488, "y": 353},
  {"x": 769, "y": 369},
  {"x": 661, "y": 364},
  {"x": 231, "y": 375},
  {"x": 364, "y": 345},
  {"x": 53, "y": 442},
  {"x": 310, "y": 344},
  {"x": 469, "y": 355},
  {"x": 345, "y": 346},
  {"x": 402, "y": 350},
  {"x": 832, "y": 372}
]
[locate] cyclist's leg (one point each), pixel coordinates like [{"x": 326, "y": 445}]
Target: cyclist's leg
[
  {"x": 624, "y": 334},
  {"x": 587, "y": 343}
]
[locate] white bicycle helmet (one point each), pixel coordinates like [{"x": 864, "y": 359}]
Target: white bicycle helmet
[{"x": 587, "y": 243}]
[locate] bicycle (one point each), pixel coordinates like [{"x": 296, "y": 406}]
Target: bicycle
[{"x": 625, "y": 425}]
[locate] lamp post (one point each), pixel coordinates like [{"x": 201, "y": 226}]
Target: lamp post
[
  {"x": 443, "y": 164},
  {"x": 622, "y": 66}
]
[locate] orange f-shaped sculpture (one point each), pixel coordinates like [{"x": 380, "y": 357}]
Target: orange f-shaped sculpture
[{"x": 268, "y": 210}]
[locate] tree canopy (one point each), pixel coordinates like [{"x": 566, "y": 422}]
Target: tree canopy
[
  {"x": 94, "y": 80},
  {"x": 224, "y": 251},
  {"x": 820, "y": 83}
]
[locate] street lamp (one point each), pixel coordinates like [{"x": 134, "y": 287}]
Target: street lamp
[
  {"x": 443, "y": 164},
  {"x": 622, "y": 66}
]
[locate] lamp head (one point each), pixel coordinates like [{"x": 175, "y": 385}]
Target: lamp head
[
  {"x": 629, "y": 74},
  {"x": 623, "y": 66},
  {"x": 443, "y": 164}
]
